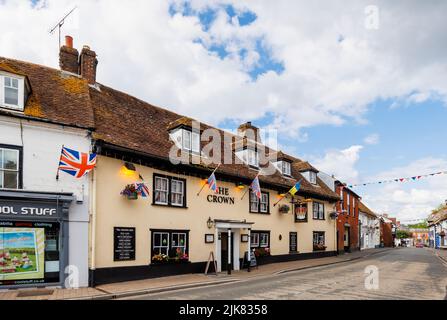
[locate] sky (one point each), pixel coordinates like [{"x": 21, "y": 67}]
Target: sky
[{"x": 358, "y": 88}]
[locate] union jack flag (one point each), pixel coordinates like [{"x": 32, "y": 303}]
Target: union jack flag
[
  {"x": 76, "y": 163},
  {"x": 256, "y": 188},
  {"x": 142, "y": 189},
  {"x": 212, "y": 182}
]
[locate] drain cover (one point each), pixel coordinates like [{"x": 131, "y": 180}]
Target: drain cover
[{"x": 34, "y": 293}]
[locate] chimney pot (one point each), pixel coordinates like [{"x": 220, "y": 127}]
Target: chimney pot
[
  {"x": 69, "y": 41},
  {"x": 69, "y": 57},
  {"x": 88, "y": 64}
]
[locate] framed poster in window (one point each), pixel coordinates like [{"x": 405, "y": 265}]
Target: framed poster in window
[{"x": 209, "y": 238}]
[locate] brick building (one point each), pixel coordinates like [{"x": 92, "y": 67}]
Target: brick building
[{"x": 348, "y": 219}]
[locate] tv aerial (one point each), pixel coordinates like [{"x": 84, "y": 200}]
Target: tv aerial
[{"x": 61, "y": 22}]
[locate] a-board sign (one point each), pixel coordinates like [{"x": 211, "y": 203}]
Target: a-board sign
[{"x": 253, "y": 262}]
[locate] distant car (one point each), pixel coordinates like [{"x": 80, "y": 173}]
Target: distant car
[{"x": 419, "y": 245}]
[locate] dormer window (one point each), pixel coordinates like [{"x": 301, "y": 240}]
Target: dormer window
[
  {"x": 312, "y": 177},
  {"x": 249, "y": 156},
  {"x": 285, "y": 167},
  {"x": 12, "y": 92},
  {"x": 186, "y": 139}
]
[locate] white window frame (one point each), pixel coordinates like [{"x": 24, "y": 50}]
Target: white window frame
[
  {"x": 312, "y": 177},
  {"x": 254, "y": 201},
  {"x": 157, "y": 190},
  {"x": 161, "y": 246},
  {"x": 264, "y": 236},
  {"x": 319, "y": 235},
  {"x": 181, "y": 192},
  {"x": 320, "y": 210},
  {"x": 286, "y": 168},
  {"x": 252, "y": 158},
  {"x": 254, "y": 239},
  {"x": 3, "y": 170},
  {"x": 178, "y": 234},
  {"x": 264, "y": 201},
  {"x": 190, "y": 140},
  {"x": 348, "y": 203},
  {"x": 20, "y": 90}
]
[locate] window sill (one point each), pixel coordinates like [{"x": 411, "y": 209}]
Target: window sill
[
  {"x": 168, "y": 206},
  {"x": 319, "y": 219},
  {"x": 301, "y": 221},
  {"x": 257, "y": 212},
  {"x": 12, "y": 108},
  {"x": 170, "y": 262}
]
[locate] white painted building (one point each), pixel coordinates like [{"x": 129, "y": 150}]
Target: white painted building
[
  {"x": 46, "y": 219},
  {"x": 40, "y": 146},
  {"x": 369, "y": 226}
]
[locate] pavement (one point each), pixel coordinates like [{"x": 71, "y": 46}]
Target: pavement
[
  {"x": 180, "y": 282},
  {"x": 441, "y": 253},
  {"x": 398, "y": 274}
]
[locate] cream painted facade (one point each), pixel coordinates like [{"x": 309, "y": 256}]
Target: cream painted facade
[{"x": 114, "y": 210}]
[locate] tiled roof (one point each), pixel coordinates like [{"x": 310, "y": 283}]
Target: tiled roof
[
  {"x": 363, "y": 208},
  {"x": 56, "y": 96},
  {"x": 125, "y": 121}
]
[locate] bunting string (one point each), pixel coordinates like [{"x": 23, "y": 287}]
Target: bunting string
[{"x": 398, "y": 180}]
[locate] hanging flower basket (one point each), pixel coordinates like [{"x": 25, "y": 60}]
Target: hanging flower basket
[
  {"x": 333, "y": 215},
  {"x": 284, "y": 208},
  {"x": 130, "y": 192},
  {"x": 319, "y": 247}
]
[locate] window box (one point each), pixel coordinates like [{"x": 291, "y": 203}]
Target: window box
[
  {"x": 319, "y": 247},
  {"x": 262, "y": 252},
  {"x": 284, "y": 208}
]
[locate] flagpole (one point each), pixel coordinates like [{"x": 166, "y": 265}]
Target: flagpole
[
  {"x": 59, "y": 164},
  {"x": 214, "y": 171},
  {"x": 243, "y": 196},
  {"x": 287, "y": 193}
]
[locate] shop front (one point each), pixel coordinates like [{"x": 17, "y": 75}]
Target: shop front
[{"x": 33, "y": 238}]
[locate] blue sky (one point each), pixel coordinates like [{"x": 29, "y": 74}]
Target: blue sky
[{"x": 361, "y": 102}]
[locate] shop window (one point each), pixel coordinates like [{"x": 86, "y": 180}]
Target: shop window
[
  {"x": 29, "y": 253},
  {"x": 169, "y": 191},
  {"x": 169, "y": 245},
  {"x": 318, "y": 211},
  {"x": 10, "y": 167},
  {"x": 260, "y": 205},
  {"x": 254, "y": 240}
]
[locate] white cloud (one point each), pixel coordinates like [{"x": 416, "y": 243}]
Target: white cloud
[
  {"x": 340, "y": 163},
  {"x": 408, "y": 200},
  {"x": 146, "y": 52},
  {"x": 372, "y": 139}
]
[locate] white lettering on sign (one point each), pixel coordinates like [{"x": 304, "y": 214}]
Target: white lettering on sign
[{"x": 28, "y": 211}]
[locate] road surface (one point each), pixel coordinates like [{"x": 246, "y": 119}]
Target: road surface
[{"x": 405, "y": 273}]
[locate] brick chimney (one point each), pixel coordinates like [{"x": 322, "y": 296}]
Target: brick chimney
[
  {"x": 87, "y": 64},
  {"x": 250, "y": 131},
  {"x": 68, "y": 56}
]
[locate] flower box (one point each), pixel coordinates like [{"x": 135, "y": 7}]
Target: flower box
[
  {"x": 130, "y": 192},
  {"x": 319, "y": 247}
]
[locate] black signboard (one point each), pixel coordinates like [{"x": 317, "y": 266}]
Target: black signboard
[
  {"x": 253, "y": 262},
  {"x": 123, "y": 244},
  {"x": 293, "y": 242}
]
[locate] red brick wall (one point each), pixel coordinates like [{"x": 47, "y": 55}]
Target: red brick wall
[
  {"x": 352, "y": 219},
  {"x": 386, "y": 235}
]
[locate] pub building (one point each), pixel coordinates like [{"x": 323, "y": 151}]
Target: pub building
[
  {"x": 176, "y": 228},
  {"x": 146, "y": 216}
]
